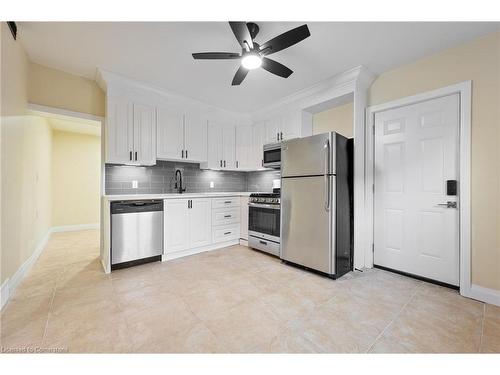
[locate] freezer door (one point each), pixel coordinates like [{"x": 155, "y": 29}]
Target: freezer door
[
  {"x": 308, "y": 156},
  {"x": 307, "y": 209}
]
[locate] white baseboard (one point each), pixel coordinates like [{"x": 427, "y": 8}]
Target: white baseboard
[
  {"x": 71, "y": 228},
  {"x": 10, "y": 285},
  {"x": 243, "y": 242},
  {"x": 483, "y": 294}
]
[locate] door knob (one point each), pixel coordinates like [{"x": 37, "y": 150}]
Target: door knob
[{"x": 448, "y": 204}]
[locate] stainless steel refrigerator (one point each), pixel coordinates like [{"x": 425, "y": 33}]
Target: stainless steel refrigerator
[{"x": 317, "y": 204}]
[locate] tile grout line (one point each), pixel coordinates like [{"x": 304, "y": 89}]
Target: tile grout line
[
  {"x": 482, "y": 329},
  {"x": 394, "y": 319}
]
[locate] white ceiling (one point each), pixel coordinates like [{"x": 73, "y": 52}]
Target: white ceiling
[{"x": 160, "y": 53}]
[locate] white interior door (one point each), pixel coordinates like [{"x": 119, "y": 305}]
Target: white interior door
[{"x": 416, "y": 152}]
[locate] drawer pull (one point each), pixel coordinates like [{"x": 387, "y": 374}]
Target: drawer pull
[
  {"x": 228, "y": 202},
  {"x": 263, "y": 242},
  {"x": 226, "y": 233},
  {"x": 227, "y": 216}
]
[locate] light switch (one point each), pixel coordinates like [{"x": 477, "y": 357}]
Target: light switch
[
  {"x": 212, "y": 184},
  {"x": 134, "y": 184}
]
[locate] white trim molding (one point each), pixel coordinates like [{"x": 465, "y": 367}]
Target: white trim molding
[
  {"x": 62, "y": 114},
  {"x": 483, "y": 294},
  {"x": 464, "y": 89}
]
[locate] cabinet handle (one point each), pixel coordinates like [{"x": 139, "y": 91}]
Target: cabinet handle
[
  {"x": 281, "y": 136},
  {"x": 227, "y": 202},
  {"x": 224, "y": 164},
  {"x": 186, "y": 154},
  {"x": 221, "y": 163},
  {"x": 263, "y": 242},
  {"x": 227, "y": 216},
  {"x": 226, "y": 233},
  {"x": 136, "y": 156},
  {"x": 130, "y": 155},
  {"x": 190, "y": 203},
  {"x": 237, "y": 164},
  {"x": 278, "y": 136},
  {"x": 182, "y": 154}
]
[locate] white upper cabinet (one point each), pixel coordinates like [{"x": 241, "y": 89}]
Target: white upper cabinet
[
  {"x": 119, "y": 131},
  {"x": 144, "y": 134},
  {"x": 259, "y": 140},
  {"x": 130, "y": 132},
  {"x": 221, "y": 144},
  {"x": 273, "y": 127},
  {"x": 195, "y": 138},
  {"x": 229, "y": 146},
  {"x": 284, "y": 126},
  {"x": 214, "y": 146},
  {"x": 181, "y": 136},
  {"x": 244, "y": 150},
  {"x": 170, "y": 134}
]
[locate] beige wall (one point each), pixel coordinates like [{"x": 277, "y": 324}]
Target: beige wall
[
  {"x": 26, "y": 206},
  {"x": 54, "y": 88},
  {"x": 25, "y": 163},
  {"x": 478, "y": 61},
  {"x": 76, "y": 168},
  {"x": 339, "y": 119}
]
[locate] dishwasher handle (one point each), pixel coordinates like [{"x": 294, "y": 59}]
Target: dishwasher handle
[{"x": 125, "y": 207}]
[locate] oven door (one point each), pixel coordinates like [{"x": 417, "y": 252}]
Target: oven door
[
  {"x": 264, "y": 221},
  {"x": 272, "y": 156}
]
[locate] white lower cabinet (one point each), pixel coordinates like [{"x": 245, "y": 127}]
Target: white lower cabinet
[
  {"x": 176, "y": 225},
  {"x": 244, "y": 218},
  {"x": 188, "y": 224},
  {"x": 200, "y": 222}
]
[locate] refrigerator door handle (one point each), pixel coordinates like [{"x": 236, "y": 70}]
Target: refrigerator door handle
[{"x": 327, "y": 178}]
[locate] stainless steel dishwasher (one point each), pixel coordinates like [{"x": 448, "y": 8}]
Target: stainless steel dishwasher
[{"x": 136, "y": 232}]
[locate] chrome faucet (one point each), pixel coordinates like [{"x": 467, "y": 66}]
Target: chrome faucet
[{"x": 178, "y": 182}]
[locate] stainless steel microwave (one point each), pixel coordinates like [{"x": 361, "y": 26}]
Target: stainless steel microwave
[{"x": 272, "y": 156}]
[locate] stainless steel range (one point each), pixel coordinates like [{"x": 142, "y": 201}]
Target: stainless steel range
[{"x": 264, "y": 222}]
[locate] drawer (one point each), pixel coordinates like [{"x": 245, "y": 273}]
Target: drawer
[
  {"x": 225, "y": 202},
  {"x": 226, "y": 233},
  {"x": 223, "y": 216}
]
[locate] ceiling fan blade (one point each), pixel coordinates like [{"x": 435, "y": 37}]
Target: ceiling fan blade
[
  {"x": 242, "y": 34},
  {"x": 240, "y": 75},
  {"x": 276, "y": 68},
  {"x": 215, "y": 56},
  {"x": 285, "y": 40}
]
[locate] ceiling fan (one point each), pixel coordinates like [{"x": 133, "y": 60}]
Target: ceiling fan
[{"x": 254, "y": 55}]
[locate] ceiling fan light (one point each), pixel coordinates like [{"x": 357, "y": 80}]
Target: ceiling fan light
[{"x": 251, "y": 61}]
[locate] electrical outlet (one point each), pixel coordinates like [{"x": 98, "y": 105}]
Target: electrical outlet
[
  {"x": 212, "y": 185},
  {"x": 135, "y": 184}
]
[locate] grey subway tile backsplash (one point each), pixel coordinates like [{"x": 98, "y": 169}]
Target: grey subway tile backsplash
[{"x": 160, "y": 179}]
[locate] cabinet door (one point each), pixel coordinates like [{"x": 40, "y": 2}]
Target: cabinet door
[
  {"x": 200, "y": 222},
  {"x": 229, "y": 147},
  {"x": 273, "y": 128},
  {"x": 144, "y": 134},
  {"x": 290, "y": 125},
  {"x": 195, "y": 140},
  {"x": 214, "y": 146},
  {"x": 259, "y": 139},
  {"x": 119, "y": 135},
  {"x": 176, "y": 225},
  {"x": 244, "y": 151},
  {"x": 170, "y": 134}
]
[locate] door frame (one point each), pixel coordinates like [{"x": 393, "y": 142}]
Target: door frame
[{"x": 464, "y": 90}]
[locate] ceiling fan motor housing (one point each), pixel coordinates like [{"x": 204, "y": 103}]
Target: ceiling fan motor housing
[{"x": 253, "y": 28}]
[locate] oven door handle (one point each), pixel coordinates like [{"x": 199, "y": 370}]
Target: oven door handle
[{"x": 259, "y": 205}]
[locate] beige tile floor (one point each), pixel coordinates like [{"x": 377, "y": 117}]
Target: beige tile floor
[{"x": 233, "y": 300}]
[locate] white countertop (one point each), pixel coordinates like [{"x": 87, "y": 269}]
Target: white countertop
[{"x": 110, "y": 198}]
